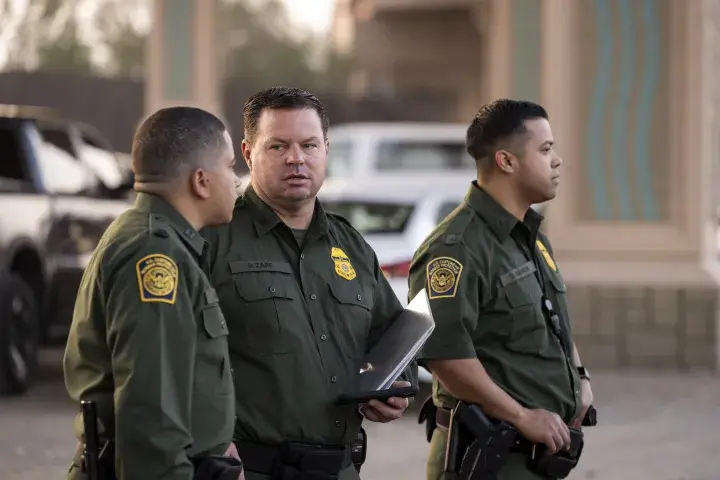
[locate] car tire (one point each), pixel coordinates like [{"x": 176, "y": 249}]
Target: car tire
[{"x": 19, "y": 317}]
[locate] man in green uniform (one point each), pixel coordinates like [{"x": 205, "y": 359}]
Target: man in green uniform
[
  {"x": 148, "y": 341},
  {"x": 502, "y": 338},
  {"x": 304, "y": 297}
]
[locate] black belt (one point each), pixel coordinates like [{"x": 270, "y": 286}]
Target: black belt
[{"x": 258, "y": 458}]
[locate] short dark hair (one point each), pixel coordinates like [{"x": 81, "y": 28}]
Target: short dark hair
[
  {"x": 279, "y": 97},
  {"x": 498, "y": 125},
  {"x": 173, "y": 140}
]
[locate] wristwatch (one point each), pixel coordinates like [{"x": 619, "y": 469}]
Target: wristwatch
[{"x": 583, "y": 372}]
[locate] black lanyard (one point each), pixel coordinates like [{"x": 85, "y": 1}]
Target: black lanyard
[{"x": 548, "y": 308}]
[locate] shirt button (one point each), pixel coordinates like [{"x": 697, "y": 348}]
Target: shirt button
[
  {"x": 337, "y": 423},
  {"x": 359, "y": 297},
  {"x": 272, "y": 289},
  {"x": 223, "y": 323},
  {"x": 323, "y": 337},
  {"x": 333, "y": 379},
  {"x": 302, "y": 256},
  {"x": 313, "y": 297}
]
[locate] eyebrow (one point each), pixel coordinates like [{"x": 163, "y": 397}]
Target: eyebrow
[
  {"x": 549, "y": 143},
  {"x": 280, "y": 140}
]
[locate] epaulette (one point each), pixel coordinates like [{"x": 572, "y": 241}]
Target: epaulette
[
  {"x": 456, "y": 228},
  {"x": 341, "y": 219},
  {"x": 159, "y": 226}
]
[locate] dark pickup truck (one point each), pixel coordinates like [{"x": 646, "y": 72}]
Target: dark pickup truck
[{"x": 60, "y": 187}]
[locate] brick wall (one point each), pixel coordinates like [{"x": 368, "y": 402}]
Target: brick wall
[{"x": 654, "y": 327}]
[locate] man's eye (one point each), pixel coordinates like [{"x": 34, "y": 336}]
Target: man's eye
[
  {"x": 275, "y": 147},
  {"x": 309, "y": 145}
]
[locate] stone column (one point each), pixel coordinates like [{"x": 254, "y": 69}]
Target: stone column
[
  {"x": 183, "y": 56},
  {"x": 630, "y": 91},
  {"x": 513, "y": 49}
]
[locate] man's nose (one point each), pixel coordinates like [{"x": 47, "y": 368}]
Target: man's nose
[
  {"x": 295, "y": 155},
  {"x": 557, "y": 161}
]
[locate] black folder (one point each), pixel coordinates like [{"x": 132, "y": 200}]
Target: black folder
[{"x": 392, "y": 354}]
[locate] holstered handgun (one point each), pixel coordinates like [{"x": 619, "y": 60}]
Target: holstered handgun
[
  {"x": 427, "y": 416},
  {"x": 97, "y": 463},
  {"x": 477, "y": 446},
  {"x": 91, "y": 449}
]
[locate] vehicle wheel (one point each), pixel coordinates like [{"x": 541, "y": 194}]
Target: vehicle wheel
[{"x": 18, "y": 335}]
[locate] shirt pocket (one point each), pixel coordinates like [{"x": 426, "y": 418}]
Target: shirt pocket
[
  {"x": 353, "y": 303},
  {"x": 270, "y": 304},
  {"x": 528, "y": 331},
  {"x": 213, "y": 365}
]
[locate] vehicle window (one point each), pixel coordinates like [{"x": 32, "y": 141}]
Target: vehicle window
[
  {"x": 423, "y": 156},
  {"x": 11, "y": 164},
  {"x": 59, "y": 138},
  {"x": 61, "y": 171},
  {"x": 340, "y": 161},
  {"x": 372, "y": 217},
  {"x": 91, "y": 140},
  {"x": 445, "y": 210}
]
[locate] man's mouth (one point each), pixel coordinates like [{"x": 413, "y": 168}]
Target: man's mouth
[{"x": 296, "y": 176}]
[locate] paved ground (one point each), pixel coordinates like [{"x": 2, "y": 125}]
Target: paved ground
[{"x": 654, "y": 427}]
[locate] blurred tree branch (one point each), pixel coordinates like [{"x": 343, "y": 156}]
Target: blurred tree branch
[{"x": 263, "y": 47}]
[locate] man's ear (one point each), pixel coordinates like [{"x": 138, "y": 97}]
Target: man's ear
[
  {"x": 245, "y": 148},
  {"x": 200, "y": 183},
  {"x": 327, "y": 145},
  {"x": 505, "y": 161}
]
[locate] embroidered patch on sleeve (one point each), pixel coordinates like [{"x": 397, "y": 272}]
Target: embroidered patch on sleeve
[
  {"x": 157, "y": 278},
  {"x": 443, "y": 275},
  {"x": 548, "y": 259}
]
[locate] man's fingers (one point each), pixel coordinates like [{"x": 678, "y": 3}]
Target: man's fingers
[
  {"x": 373, "y": 414},
  {"x": 553, "y": 443},
  {"x": 400, "y": 384},
  {"x": 384, "y": 408},
  {"x": 563, "y": 436}
]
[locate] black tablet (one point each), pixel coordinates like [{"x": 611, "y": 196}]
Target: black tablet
[{"x": 382, "y": 395}]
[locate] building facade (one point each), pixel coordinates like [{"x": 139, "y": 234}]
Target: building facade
[
  {"x": 630, "y": 89},
  {"x": 628, "y": 85}
]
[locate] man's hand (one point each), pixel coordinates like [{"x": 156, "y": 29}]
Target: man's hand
[
  {"x": 384, "y": 412},
  {"x": 586, "y": 398},
  {"x": 541, "y": 426}
]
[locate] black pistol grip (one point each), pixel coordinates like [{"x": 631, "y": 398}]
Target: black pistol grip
[
  {"x": 475, "y": 420},
  {"x": 590, "y": 418}
]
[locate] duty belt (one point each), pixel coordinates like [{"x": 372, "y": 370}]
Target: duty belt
[{"x": 265, "y": 459}]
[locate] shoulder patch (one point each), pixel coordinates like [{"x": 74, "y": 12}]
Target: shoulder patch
[
  {"x": 443, "y": 276},
  {"x": 548, "y": 258},
  {"x": 157, "y": 278}
]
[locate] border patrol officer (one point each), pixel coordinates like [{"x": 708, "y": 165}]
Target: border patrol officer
[
  {"x": 148, "y": 341},
  {"x": 304, "y": 297},
  {"x": 491, "y": 277}
]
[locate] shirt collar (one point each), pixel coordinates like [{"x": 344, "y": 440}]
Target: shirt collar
[
  {"x": 265, "y": 219},
  {"x": 500, "y": 220},
  {"x": 161, "y": 209}
]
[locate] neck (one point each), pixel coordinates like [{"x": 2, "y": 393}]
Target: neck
[
  {"x": 296, "y": 215},
  {"x": 184, "y": 206},
  {"x": 506, "y": 196}
]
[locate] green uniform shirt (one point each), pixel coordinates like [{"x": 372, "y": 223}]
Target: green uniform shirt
[
  {"x": 483, "y": 271},
  {"x": 301, "y": 317},
  {"x": 148, "y": 343}
]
